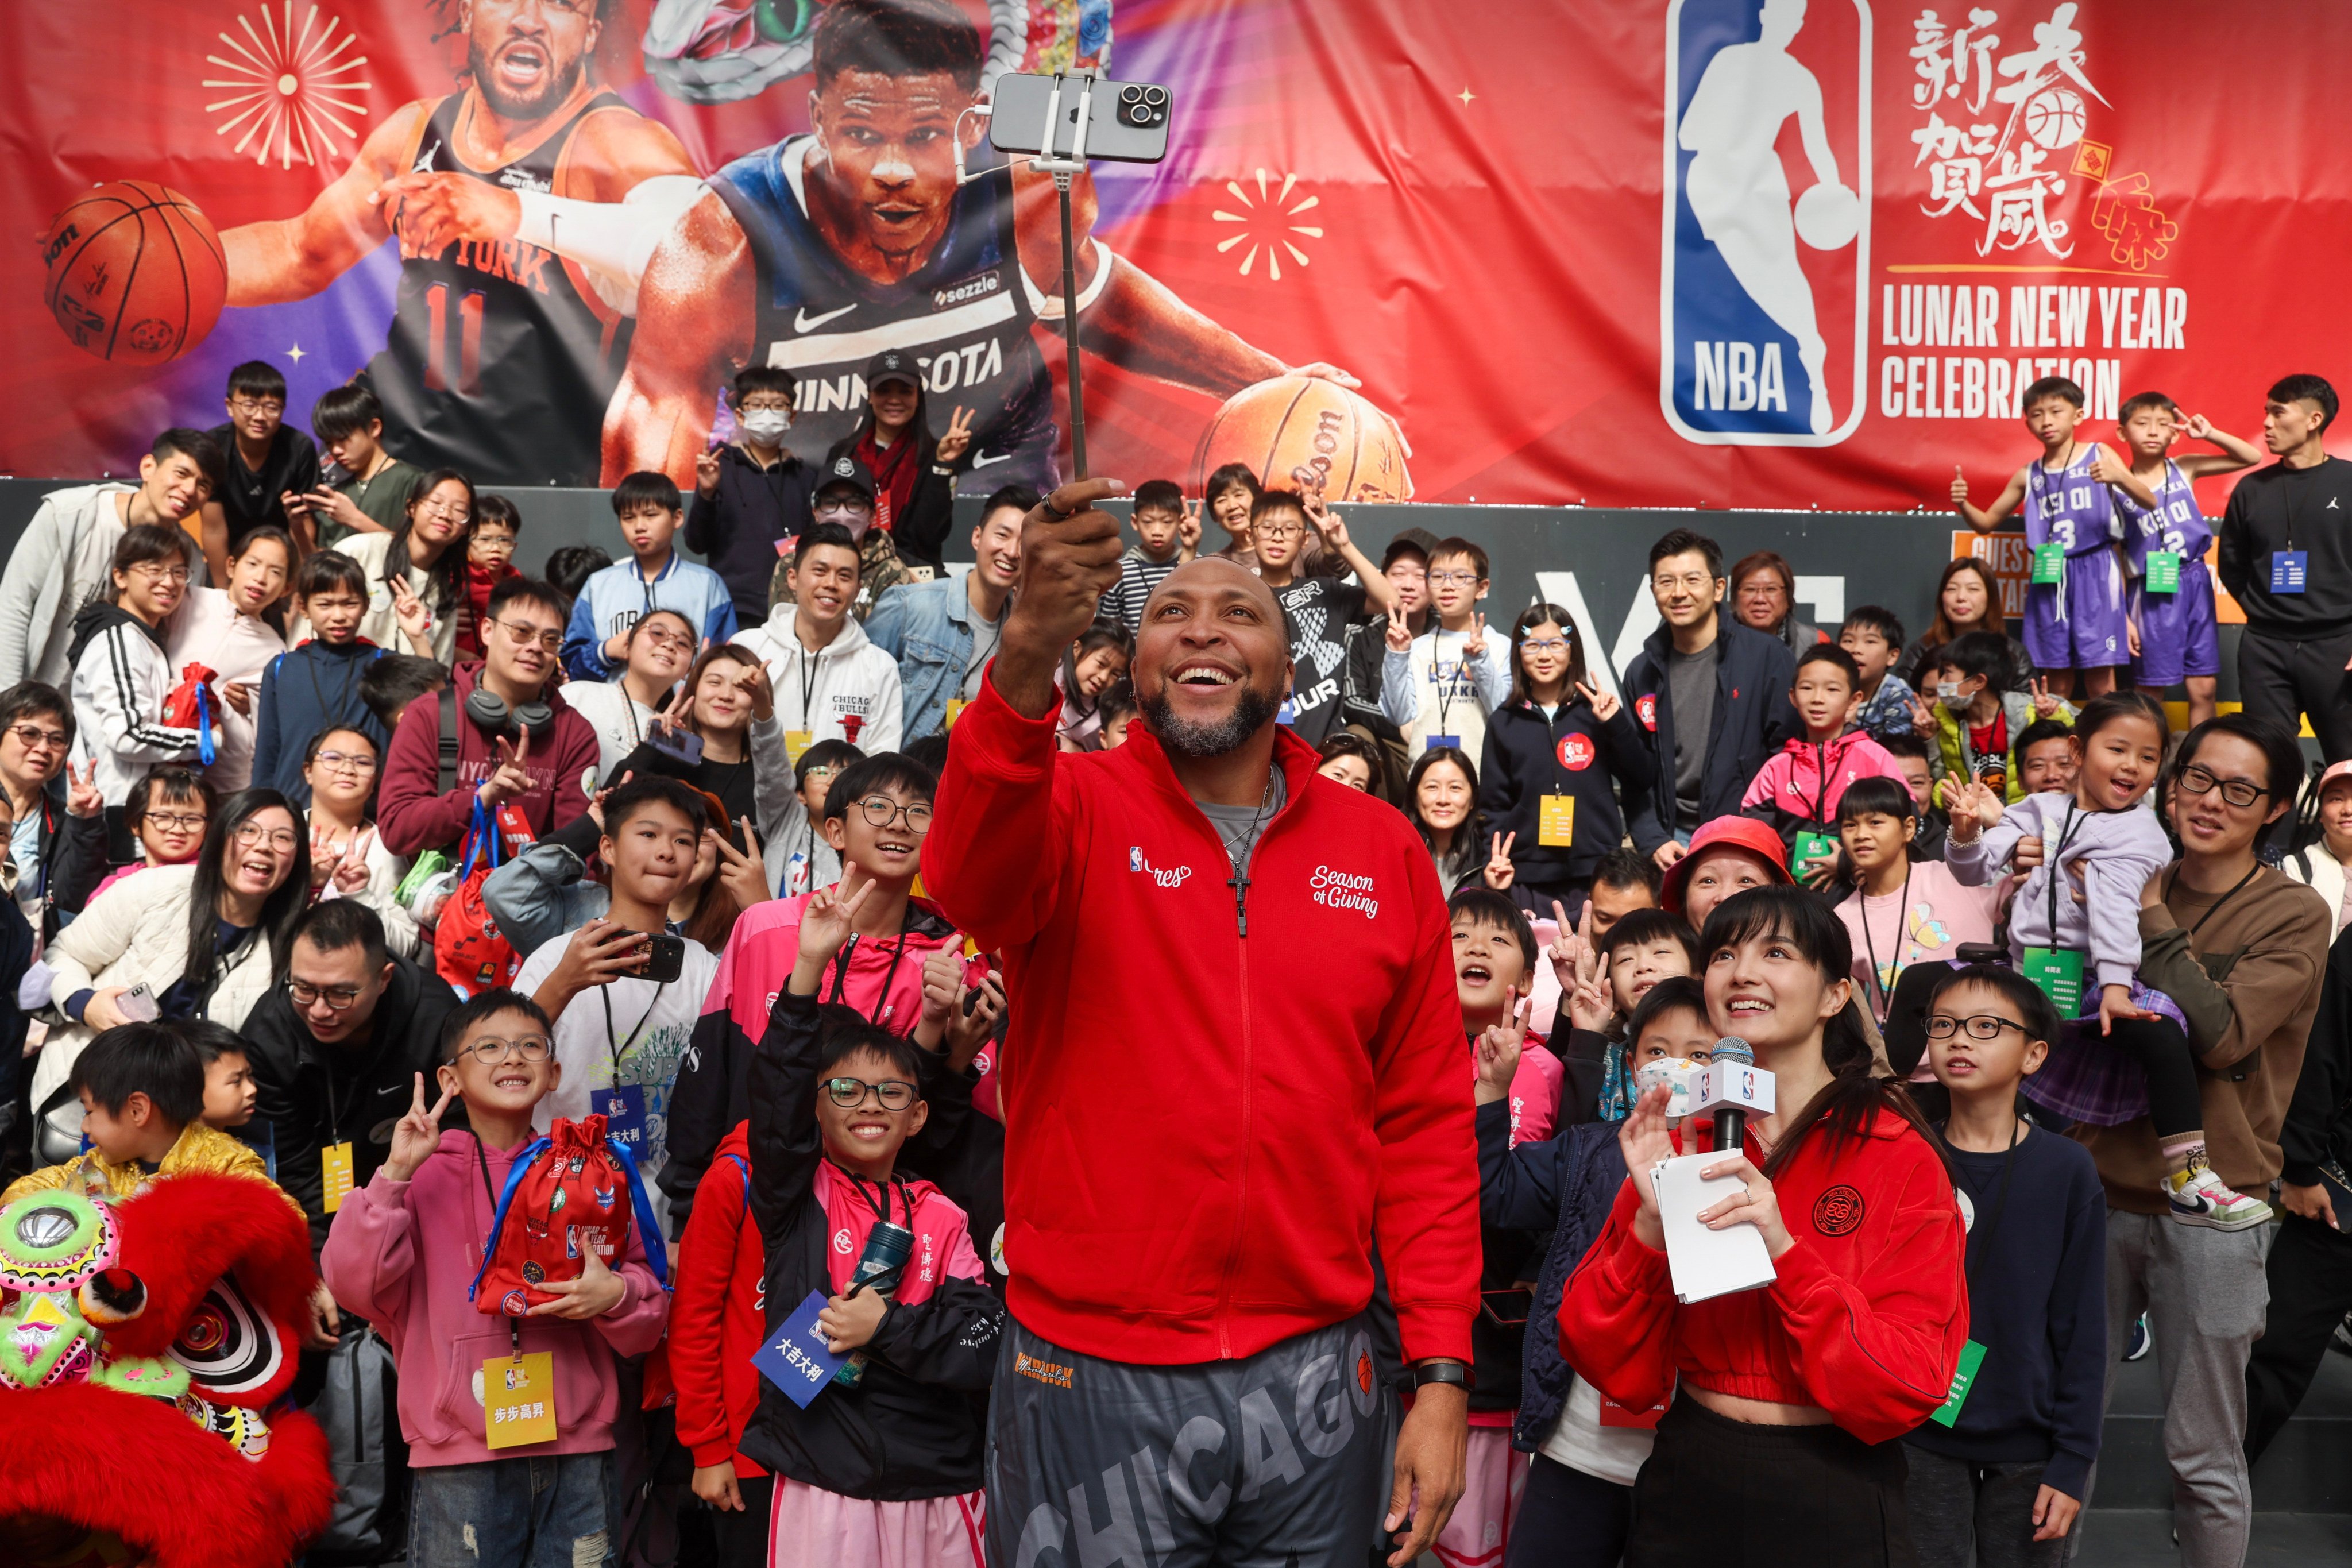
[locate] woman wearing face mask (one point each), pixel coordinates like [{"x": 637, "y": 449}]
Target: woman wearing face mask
[
  {"x": 751, "y": 494},
  {"x": 348, "y": 856},
  {"x": 1797, "y": 1389},
  {"x": 205, "y": 939},
  {"x": 417, "y": 574},
  {"x": 914, "y": 470},
  {"x": 230, "y": 631}
]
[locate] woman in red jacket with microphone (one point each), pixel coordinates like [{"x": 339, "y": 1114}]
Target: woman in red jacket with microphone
[{"x": 1778, "y": 1447}]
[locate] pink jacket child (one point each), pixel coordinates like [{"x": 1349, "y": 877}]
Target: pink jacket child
[
  {"x": 1800, "y": 789},
  {"x": 403, "y": 1255}
]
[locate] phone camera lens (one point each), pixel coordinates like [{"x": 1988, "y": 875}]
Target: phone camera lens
[
  {"x": 1155, "y": 96},
  {"x": 1131, "y": 93},
  {"x": 1138, "y": 115}
]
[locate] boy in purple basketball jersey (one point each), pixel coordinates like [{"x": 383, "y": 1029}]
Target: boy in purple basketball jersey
[
  {"x": 2074, "y": 614},
  {"x": 2174, "y": 639}
]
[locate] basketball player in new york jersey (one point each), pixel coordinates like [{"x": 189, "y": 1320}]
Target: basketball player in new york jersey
[
  {"x": 819, "y": 252},
  {"x": 511, "y": 325},
  {"x": 1737, "y": 190}
]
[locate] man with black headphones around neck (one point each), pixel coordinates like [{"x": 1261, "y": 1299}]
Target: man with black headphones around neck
[{"x": 501, "y": 733}]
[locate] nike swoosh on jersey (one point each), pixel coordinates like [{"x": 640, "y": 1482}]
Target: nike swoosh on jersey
[
  {"x": 981, "y": 459},
  {"x": 804, "y": 323}
]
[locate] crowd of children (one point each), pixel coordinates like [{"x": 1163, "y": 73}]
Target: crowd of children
[{"x": 292, "y": 750}]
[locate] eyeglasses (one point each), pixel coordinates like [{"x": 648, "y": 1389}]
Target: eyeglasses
[
  {"x": 2195, "y": 780},
  {"x": 258, "y": 405},
  {"x": 453, "y": 510},
  {"x": 253, "y": 834},
  {"x": 490, "y": 1053},
  {"x": 848, "y": 506},
  {"x": 1280, "y": 531},
  {"x": 769, "y": 405},
  {"x": 881, "y": 810},
  {"x": 894, "y": 1094},
  {"x": 524, "y": 634},
  {"x": 32, "y": 735},
  {"x": 1544, "y": 645},
  {"x": 1696, "y": 581},
  {"x": 337, "y": 998},
  {"x": 346, "y": 762},
  {"x": 156, "y": 573},
  {"x": 1980, "y": 1026},
  {"x": 1454, "y": 579},
  {"x": 669, "y": 642},
  {"x": 174, "y": 822}
]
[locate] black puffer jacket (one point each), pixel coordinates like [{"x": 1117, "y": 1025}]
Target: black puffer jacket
[{"x": 1573, "y": 753}]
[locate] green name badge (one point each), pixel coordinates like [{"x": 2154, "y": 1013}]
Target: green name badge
[
  {"x": 2163, "y": 572},
  {"x": 1964, "y": 1378},
  {"x": 2049, "y": 564},
  {"x": 1813, "y": 847},
  {"x": 2058, "y": 971}
]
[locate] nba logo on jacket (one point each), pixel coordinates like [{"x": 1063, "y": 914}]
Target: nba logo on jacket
[{"x": 1764, "y": 249}]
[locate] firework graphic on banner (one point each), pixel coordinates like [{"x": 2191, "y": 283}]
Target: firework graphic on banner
[
  {"x": 1268, "y": 225},
  {"x": 290, "y": 88}
]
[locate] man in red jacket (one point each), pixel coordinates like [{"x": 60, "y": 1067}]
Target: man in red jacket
[
  {"x": 1202, "y": 1150},
  {"x": 542, "y": 776}
]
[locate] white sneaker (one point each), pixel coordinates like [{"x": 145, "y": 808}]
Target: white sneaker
[{"x": 2201, "y": 1197}]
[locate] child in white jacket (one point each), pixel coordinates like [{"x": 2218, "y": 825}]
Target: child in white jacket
[{"x": 121, "y": 673}]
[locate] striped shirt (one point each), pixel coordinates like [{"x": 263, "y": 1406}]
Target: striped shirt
[{"x": 1137, "y": 575}]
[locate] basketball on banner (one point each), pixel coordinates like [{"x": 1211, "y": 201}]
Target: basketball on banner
[
  {"x": 136, "y": 272},
  {"x": 1304, "y": 432}
]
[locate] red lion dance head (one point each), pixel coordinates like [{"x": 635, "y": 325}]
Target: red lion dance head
[{"x": 142, "y": 1344}]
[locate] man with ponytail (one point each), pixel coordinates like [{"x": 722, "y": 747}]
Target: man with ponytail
[{"x": 1790, "y": 1396}]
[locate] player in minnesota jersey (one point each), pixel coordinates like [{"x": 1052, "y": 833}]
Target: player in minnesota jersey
[
  {"x": 511, "y": 322},
  {"x": 819, "y": 252}
]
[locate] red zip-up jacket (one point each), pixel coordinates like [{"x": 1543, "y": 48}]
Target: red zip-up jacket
[
  {"x": 719, "y": 1312},
  {"x": 1866, "y": 1320},
  {"x": 1208, "y": 1131}
]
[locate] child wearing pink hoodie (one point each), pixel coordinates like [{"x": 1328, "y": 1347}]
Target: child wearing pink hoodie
[
  {"x": 1798, "y": 792},
  {"x": 403, "y": 1253}
]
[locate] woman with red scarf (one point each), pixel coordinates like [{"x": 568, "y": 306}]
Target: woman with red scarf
[{"x": 914, "y": 471}]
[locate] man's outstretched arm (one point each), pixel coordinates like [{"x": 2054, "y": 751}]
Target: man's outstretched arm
[
  {"x": 695, "y": 308},
  {"x": 280, "y": 259}
]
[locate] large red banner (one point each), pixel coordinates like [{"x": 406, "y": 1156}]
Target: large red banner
[{"x": 1702, "y": 252}]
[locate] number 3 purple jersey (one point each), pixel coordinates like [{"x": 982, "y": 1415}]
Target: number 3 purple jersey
[
  {"x": 2078, "y": 624},
  {"x": 2177, "y": 634},
  {"x": 2070, "y": 508}
]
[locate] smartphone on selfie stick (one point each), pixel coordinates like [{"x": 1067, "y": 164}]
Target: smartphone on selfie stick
[{"x": 1063, "y": 120}]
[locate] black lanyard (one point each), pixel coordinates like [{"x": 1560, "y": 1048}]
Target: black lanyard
[
  {"x": 335, "y": 715},
  {"x": 841, "y": 967},
  {"x": 1870, "y": 948},
  {"x": 881, "y": 1205},
  {"x": 808, "y": 682},
  {"x": 2050, "y": 866},
  {"x": 1445, "y": 686},
  {"x": 2224, "y": 899},
  {"x": 1822, "y": 791},
  {"x": 612, "y": 1035}
]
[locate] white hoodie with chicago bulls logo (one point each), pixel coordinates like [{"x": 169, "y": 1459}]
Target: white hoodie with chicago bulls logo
[{"x": 846, "y": 691}]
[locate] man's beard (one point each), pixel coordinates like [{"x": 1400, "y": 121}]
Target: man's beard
[
  {"x": 1183, "y": 736},
  {"x": 559, "y": 83}
]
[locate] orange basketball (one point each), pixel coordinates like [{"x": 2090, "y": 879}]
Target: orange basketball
[
  {"x": 1294, "y": 425},
  {"x": 136, "y": 273}
]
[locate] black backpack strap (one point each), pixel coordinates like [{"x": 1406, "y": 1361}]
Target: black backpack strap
[{"x": 449, "y": 739}]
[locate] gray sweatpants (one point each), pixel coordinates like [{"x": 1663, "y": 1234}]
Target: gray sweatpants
[
  {"x": 1269, "y": 1462},
  {"x": 2204, "y": 1292}
]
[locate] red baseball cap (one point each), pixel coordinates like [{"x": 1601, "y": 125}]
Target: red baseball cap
[
  {"x": 2337, "y": 773},
  {"x": 1725, "y": 833}
]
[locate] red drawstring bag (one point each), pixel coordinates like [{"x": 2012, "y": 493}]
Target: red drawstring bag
[
  {"x": 572, "y": 1189},
  {"x": 467, "y": 950},
  {"x": 189, "y": 706}
]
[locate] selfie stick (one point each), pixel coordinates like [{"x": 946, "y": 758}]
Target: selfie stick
[{"x": 1062, "y": 169}]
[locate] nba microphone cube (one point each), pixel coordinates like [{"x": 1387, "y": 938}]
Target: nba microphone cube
[{"x": 1732, "y": 1085}]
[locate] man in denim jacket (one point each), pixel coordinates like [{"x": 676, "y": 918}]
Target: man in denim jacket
[{"x": 943, "y": 632}]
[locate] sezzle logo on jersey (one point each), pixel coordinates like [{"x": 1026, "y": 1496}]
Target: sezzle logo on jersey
[{"x": 971, "y": 289}]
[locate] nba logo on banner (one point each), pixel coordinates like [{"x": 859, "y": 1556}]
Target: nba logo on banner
[{"x": 1763, "y": 297}]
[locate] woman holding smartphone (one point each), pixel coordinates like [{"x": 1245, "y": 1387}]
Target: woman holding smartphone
[{"x": 1790, "y": 1395}]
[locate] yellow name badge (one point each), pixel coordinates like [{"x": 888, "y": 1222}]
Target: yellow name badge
[
  {"x": 1556, "y": 821},
  {"x": 334, "y": 1175},
  {"x": 956, "y": 705},
  {"x": 796, "y": 745},
  {"x": 519, "y": 1400}
]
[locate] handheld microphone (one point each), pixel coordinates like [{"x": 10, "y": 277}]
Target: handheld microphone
[{"x": 1733, "y": 1087}]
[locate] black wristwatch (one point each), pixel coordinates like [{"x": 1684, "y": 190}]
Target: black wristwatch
[{"x": 1456, "y": 1372}]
